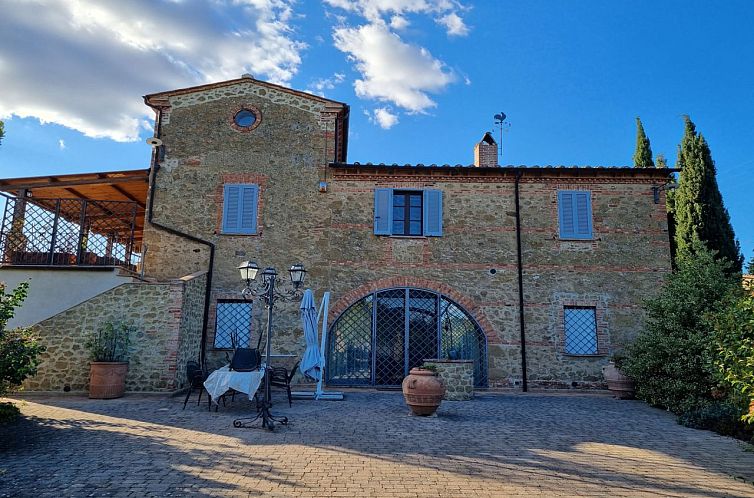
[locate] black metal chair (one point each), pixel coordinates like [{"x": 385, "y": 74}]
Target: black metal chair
[
  {"x": 195, "y": 376},
  {"x": 280, "y": 377}
]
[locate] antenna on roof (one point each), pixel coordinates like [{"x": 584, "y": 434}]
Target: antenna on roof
[{"x": 500, "y": 121}]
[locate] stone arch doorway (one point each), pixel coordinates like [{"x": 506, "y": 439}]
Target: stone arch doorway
[{"x": 380, "y": 337}]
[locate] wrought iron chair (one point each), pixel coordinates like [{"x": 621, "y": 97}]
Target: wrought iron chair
[
  {"x": 280, "y": 377},
  {"x": 195, "y": 376}
]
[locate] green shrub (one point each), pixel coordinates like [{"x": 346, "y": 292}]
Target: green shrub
[
  {"x": 672, "y": 359},
  {"x": 734, "y": 334},
  {"x": 111, "y": 342},
  {"x": 8, "y": 413},
  {"x": 723, "y": 417},
  {"x": 19, "y": 348}
]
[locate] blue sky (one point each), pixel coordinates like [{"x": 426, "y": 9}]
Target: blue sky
[{"x": 423, "y": 77}]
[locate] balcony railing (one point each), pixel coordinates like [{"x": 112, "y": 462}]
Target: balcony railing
[{"x": 68, "y": 232}]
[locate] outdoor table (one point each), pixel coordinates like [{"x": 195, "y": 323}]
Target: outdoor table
[{"x": 224, "y": 378}]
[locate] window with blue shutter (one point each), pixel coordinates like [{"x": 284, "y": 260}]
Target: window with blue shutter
[
  {"x": 240, "y": 209},
  {"x": 580, "y": 325},
  {"x": 408, "y": 212},
  {"x": 575, "y": 214}
]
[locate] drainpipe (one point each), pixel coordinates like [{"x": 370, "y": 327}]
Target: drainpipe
[
  {"x": 155, "y": 166},
  {"x": 520, "y": 283}
]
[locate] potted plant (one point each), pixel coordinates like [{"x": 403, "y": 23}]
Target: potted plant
[
  {"x": 108, "y": 349},
  {"x": 423, "y": 390},
  {"x": 622, "y": 386}
]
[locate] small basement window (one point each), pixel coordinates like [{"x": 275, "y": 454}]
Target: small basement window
[
  {"x": 580, "y": 325},
  {"x": 232, "y": 324}
]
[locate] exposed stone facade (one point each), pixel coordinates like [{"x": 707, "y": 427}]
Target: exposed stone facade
[
  {"x": 331, "y": 232},
  {"x": 168, "y": 319},
  {"x": 458, "y": 376}
]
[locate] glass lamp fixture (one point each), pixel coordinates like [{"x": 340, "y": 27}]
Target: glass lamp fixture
[
  {"x": 298, "y": 273},
  {"x": 249, "y": 270}
]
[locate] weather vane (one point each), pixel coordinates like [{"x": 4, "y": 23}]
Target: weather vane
[{"x": 502, "y": 124}]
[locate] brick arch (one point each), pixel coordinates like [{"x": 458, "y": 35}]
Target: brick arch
[{"x": 467, "y": 304}]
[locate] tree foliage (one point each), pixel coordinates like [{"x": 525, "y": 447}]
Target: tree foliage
[
  {"x": 672, "y": 359},
  {"x": 734, "y": 331},
  {"x": 643, "y": 152},
  {"x": 19, "y": 348},
  {"x": 2, "y": 131},
  {"x": 700, "y": 215}
]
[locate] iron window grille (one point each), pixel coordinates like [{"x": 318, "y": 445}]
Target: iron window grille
[
  {"x": 378, "y": 339},
  {"x": 580, "y": 325},
  {"x": 407, "y": 212},
  {"x": 232, "y": 324}
]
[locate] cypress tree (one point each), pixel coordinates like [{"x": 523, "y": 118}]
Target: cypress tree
[
  {"x": 643, "y": 153},
  {"x": 700, "y": 214},
  {"x": 661, "y": 161}
]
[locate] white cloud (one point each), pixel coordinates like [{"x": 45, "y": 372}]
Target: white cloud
[
  {"x": 84, "y": 64},
  {"x": 320, "y": 85},
  {"x": 391, "y": 70},
  {"x": 61, "y": 144},
  {"x": 375, "y": 10},
  {"x": 383, "y": 117},
  {"x": 454, "y": 24},
  {"x": 399, "y": 23}
]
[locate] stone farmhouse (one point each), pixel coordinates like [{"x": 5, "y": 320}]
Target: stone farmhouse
[{"x": 535, "y": 273}]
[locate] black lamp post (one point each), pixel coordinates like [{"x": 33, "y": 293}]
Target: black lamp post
[{"x": 267, "y": 291}]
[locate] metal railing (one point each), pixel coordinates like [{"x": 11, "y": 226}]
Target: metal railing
[{"x": 68, "y": 232}]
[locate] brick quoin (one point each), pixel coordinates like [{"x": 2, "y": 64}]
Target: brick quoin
[{"x": 406, "y": 281}]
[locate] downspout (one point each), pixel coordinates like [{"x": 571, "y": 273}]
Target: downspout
[
  {"x": 520, "y": 284},
  {"x": 155, "y": 166}
]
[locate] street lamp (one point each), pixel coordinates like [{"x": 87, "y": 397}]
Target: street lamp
[{"x": 267, "y": 291}]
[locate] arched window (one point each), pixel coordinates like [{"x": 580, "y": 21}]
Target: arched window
[{"x": 378, "y": 339}]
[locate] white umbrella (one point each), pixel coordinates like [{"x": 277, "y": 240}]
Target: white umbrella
[{"x": 311, "y": 362}]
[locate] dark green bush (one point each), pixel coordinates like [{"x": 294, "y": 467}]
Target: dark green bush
[
  {"x": 734, "y": 334},
  {"x": 19, "y": 348},
  {"x": 673, "y": 358},
  {"x": 8, "y": 413},
  {"x": 723, "y": 417}
]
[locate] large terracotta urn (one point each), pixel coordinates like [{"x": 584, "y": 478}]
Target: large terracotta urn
[
  {"x": 618, "y": 383},
  {"x": 423, "y": 391},
  {"x": 107, "y": 379}
]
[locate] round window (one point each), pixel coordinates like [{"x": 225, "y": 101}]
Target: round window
[{"x": 245, "y": 118}]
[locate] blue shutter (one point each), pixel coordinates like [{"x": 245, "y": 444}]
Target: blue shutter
[
  {"x": 583, "y": 210},
  {"x": 575, "y": 214},
  {"x": 231, "y": 207},
  {"x": 248, "y": 211},
  {"x": 383, "y": 211},
  {"x": 240, "y": 208},
  {"x": 433, "y": 213},
  {"x": 565, "y": 214}
]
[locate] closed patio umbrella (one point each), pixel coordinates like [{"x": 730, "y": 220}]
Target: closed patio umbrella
[{"x": 311, "y": 363}]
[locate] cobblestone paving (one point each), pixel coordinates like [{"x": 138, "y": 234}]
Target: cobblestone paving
[{"x": 497, "y": 445}]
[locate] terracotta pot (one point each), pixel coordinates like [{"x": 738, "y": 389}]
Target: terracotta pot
[
  {"x": 620, "y": 385},
  {"x": 107, "y": 379},
  {"x": 423, "y": 391}
]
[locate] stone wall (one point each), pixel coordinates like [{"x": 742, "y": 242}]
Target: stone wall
[
  {"x": 474, "y": 262},
  {"x": 192, "y": 320},
  {"x": 167, "y": 317},
  {"x": 458, "y": 377}
]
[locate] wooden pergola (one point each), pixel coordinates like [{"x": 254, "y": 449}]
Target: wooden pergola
[
  {"x": 126, "y": 186},
  {"x": 40, "y": 209}
]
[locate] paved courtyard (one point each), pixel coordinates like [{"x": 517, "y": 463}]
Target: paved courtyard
[{"x": 497, "y": 445}]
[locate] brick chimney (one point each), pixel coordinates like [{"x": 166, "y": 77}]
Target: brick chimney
[{"x": 485, "y": 152}]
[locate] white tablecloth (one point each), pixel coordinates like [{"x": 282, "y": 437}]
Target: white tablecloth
[{"x": 223, "y": 379}]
